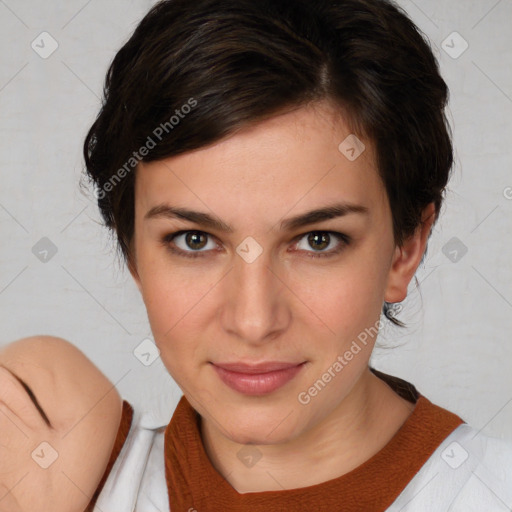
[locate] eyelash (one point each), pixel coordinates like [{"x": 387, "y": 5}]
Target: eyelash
[{"x": 167, "y": 241}]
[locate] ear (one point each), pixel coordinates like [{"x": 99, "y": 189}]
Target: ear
[{"x": 408, "y": 257}]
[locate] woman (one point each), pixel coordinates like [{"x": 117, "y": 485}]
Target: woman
[{"x": 272, "y": 171}]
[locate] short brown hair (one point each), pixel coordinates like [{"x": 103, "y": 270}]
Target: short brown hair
[{"x": 238, "y": 62}]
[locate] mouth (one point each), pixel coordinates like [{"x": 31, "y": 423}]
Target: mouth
[{"x": 257, "y": 379}]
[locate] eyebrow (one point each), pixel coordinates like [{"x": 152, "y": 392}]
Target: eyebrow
[
  {"x": 213, "y": 222},
  {"x": 31, "y": 395}
]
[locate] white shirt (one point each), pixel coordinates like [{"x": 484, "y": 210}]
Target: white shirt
[
  {"x": 137, "y": 482},
  {"x": 468, "y": 472}
]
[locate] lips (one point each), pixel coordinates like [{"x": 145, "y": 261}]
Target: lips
[
  {"x": 257, "y": 379},
  {"x": 264, "y": 367}
]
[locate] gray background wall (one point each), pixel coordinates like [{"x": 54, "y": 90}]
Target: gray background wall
[{"x": 458, "y": 347}]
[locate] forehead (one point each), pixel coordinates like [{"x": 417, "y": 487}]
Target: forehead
[{"x": 295, "y": 160}]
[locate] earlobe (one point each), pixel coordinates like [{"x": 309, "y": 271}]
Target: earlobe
[{"x": 407, "y": 258}]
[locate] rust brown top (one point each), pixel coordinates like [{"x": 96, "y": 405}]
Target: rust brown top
[
  {"x": 194, "y": 484},
  {"x": 122, "y": 434}
]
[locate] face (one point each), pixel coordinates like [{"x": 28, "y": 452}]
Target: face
[{"x": 268, "y": 289}]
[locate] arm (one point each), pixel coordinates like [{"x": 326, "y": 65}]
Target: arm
[{"x": 83, "y": 410}]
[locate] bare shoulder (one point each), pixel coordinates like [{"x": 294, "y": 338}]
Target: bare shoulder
[
  {"x": 62, "y": 436},
  {"x": 65, "y": 381}
]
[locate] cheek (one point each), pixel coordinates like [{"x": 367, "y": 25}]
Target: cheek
[
  {"x": 170, "y": 292},
  {"x": 176, "y": 307},
  {"x": 344, "y": 299}
]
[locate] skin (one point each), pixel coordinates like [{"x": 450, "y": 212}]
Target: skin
[
  {"x": 285, "y": 305},
  {"x": 84, "y": 410}
]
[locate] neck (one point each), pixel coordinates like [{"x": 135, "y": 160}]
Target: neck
[{"x": 368, "y": 417}]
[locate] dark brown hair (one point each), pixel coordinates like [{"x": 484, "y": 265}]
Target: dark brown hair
[{"x": 196, "y": 71}]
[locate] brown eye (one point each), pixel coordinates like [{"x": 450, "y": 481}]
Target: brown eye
[
  {"x": 319, "y": 240},
  {"x": 190, "y": 244},
  {"x": 195, "y": 239}
]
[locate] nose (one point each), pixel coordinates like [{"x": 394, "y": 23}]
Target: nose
[{"x": 255, "y": 307}]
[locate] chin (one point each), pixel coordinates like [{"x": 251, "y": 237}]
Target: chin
[{"x": 261, "y": 431}]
